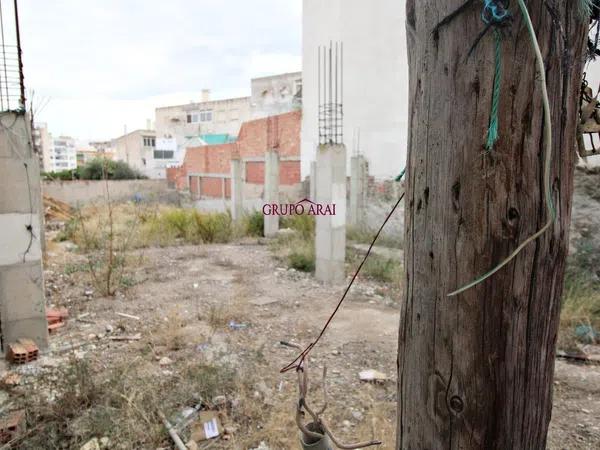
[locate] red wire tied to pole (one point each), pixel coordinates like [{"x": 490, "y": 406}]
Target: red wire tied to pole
[{"x": 297, "y": 363}]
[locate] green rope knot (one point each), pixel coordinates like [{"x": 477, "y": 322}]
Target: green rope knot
[{"x": 492, "y": 134}]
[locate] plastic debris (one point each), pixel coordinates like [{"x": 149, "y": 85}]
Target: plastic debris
[
  {"x": 373, "y": 376},
  {"x": 233, "y": 325}
]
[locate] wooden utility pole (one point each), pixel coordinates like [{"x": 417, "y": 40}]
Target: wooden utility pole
[{"x": 475, "y": 371}]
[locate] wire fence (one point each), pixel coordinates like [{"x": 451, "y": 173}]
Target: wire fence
[{"x": 12, "y": 88}]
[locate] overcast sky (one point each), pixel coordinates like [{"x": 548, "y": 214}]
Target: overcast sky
[{"x": 107, "y": 64}]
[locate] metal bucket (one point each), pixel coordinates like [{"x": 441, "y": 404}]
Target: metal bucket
[{"x": 309, "y": 442}]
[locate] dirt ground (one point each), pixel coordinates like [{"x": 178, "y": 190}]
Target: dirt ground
[{"x": 232, "y": 305}]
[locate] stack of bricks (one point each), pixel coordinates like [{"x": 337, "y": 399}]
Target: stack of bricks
[
  {"x": 11, "y": 426},
  {"x": 56, "y": 318},
  {"x": 22, "y": 352}
]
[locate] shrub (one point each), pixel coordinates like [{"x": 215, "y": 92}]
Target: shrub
[
  {"x": 115, "y": 170},
  {"x": 386, "y": 270},
  {"x": 303, "y": 224},
  {"x": 302, "y": 256},
  {"x": 212, "y": 227},
  {"x": 255, "y": 224},
  {"x": 178, "y": 221}
]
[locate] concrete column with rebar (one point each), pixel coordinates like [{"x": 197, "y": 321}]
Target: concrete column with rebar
[
  {"x": 330, "y": 238},
  {"x": 359, "y": 173},
  {"x": 271, "y": 226},
  {"x": 22, "y": 304},
  {"x": 237, "y": 203},
  {"x": 313, "y": 181}
]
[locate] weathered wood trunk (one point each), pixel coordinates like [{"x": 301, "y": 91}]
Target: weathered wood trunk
[{"x": 475, "y": 371}]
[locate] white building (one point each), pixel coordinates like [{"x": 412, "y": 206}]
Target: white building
[
  {"x": 42, "y": 141},
  {"x": 276, "y": 94},
  {"x": 207, "y": 117},
  {"x": 136, "y": 149},
  {"x": 375, "y": 78},
  {"x": 166, "y": 154},
  {"x": 62, "y": 154}
]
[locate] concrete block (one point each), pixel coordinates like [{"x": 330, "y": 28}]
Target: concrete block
[
  {"x": 15, "y": 142},
  {"x": 14, "y": 177},
  {"x": 271, "y": 226},
  {"x": 330, "y": 240},
  {"x": 22, "y": 304},
  {"x": 237, "y": 189},
  {"x": 15, "y": 238},
  {"x": 359, "y": 173},
  {"x": 313, "y": 181}
]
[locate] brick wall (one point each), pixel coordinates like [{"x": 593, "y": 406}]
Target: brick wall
[
  {"x": 289, "y": 172},
  {"x": 255, "y": 172},
  {"x": 281, "y": 133}
]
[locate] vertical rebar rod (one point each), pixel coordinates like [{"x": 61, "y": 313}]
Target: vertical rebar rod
[
  {"x": 330, "y": 85},
  {"x": 319, "y": 94},
  {"x": 335, "y": 120},
  {"x": 342, "y": 94},
  {"x": 19, "y": 54},
  {"x": 4, "y": 60}
]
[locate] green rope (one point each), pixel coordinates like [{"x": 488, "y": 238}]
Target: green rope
[
  {"x": 547, "y": 156},
  {"x": 492, "y": 135},
  {"x": 399, "y": 177}
]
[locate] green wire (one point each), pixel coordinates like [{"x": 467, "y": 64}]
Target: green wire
[{"x": 547, "y": 157}]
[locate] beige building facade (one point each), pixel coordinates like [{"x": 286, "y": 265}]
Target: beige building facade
[
  {"x": 183, "y": 122},
  {"x": 136, "y": 149}
]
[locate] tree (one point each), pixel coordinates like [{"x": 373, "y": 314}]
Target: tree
[{"x": 475, "y": 370}]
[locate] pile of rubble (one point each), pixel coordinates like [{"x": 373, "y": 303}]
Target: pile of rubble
[{"x": 55, "y": 210}]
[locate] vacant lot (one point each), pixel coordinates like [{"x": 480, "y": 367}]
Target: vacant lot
[{"x": 195, "y": 322}]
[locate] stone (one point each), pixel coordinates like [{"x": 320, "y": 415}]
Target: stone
[
  {"x": 92, "y": 444},
  {"x": 165, "y": 361},
  {"x": 357, "y": 415}
]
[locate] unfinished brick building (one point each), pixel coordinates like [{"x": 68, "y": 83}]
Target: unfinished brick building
[{"x": 206, "y": 170}]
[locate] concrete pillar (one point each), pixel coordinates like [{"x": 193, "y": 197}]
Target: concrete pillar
[
  {"x": 271, "y": 190},
  {"x": 237, "y": 205},
  {"x": 330, "y": 239},
  {"x": 22, "y": 304},
  {"x": 313, "y": 181},
  {"x": 359, "y": 172}
]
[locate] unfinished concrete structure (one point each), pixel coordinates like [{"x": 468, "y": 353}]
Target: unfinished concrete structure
[
  {"x": 22, "y": 304},
  {"x": 276, "y": 94},
  {"x": 237, "y": 188},
  {"x": 330, "y": 240},
  {"x": 271, "y": 226},
  {"x": 375, "y": 82},
  {"x": 359, "y": 174},
  {"x": 313, "y": 181}
]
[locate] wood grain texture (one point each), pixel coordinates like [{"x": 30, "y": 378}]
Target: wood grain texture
[{"x": 475, "y": 371}]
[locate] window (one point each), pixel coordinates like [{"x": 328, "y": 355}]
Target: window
[
  {"x": 206, "y": 116},
  {"x": 163, "y": 154},
  {"x": 149, "y": 142},
  {"x": 202, "y": 116}
]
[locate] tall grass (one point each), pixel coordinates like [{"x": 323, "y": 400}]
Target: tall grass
[
  {"x": 581, "y": 296},
  {"x": 297, "y": 250}
]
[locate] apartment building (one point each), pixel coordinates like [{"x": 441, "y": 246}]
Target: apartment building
[
  {"x": 62, "y": 154},
  {"x": 207, "y": 117},
  {"x": 42, "y": 142},
  {"x": 136, "y": 149},
  {"x": 276, "y": 94}
]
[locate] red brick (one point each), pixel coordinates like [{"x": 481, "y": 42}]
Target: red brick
[{"x": 281, "y": 133}]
